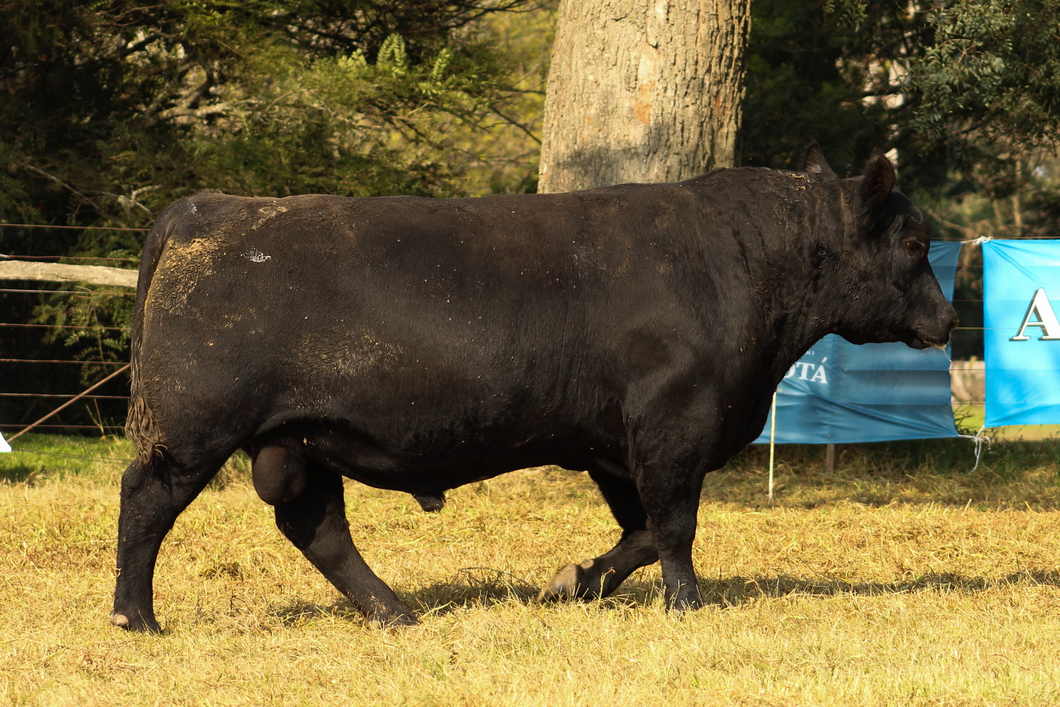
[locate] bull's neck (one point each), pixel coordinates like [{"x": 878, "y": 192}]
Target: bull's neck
[{"x": 803, "y": 279}]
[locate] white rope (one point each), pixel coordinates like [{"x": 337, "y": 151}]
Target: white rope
[
  {"x": 772, "y": 442},
  {"x": 980, "y": 439}
]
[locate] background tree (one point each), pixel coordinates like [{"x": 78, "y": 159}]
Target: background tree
[
  {"x": 641, "y": 90},
  {"x": 119, "y": 106}
]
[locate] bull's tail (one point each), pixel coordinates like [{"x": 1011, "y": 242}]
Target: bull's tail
[{"x": 140, "y": 425}]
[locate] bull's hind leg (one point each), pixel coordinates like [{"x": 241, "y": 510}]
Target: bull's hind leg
[
  {"x": 601, "y": 576},
  {"x": 315, "y": 521},
  {"x": 153, "y": 494}
]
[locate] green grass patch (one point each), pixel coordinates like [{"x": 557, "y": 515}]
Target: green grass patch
[
  {"x": 37, "y": 458},
  {"x": 902, "y": 577},
  {"x": 971, "y": 417}
]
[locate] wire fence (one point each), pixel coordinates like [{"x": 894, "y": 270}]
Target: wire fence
[{"x": 45, "y": 385}]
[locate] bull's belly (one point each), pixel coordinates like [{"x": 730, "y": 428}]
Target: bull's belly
[{"x": 437, "y": 463}]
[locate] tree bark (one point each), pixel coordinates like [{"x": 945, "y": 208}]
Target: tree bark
[{"x": 642, "y": 90}]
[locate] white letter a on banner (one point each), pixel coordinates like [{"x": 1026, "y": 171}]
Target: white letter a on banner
[{"x": 1046, "y": 319}]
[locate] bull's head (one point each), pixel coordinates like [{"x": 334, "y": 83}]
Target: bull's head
[{"x": 887, "y": 291}]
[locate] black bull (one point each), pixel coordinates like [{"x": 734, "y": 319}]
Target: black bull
[{"x": 637, "y": 332}]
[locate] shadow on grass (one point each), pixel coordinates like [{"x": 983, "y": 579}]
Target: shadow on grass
[
  {"x": 472, "y": 587},
  {"x": 736, "y": 591},
  {"x": 486, "y": 590},
  {"x": 1011, "y": 474},
  {"x": 18, "y": 473},
  {"x": 302, "y": 612},
  {"x": 482, "y": 587}
]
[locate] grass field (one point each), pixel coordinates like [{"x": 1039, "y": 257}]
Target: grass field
[{"x": 904, "y": 577}]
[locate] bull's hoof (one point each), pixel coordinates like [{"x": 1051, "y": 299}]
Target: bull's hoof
[
  {"x": 685, "y": 599},
  {"x": 134, "y": 622},
  {"x": 581, "y": 581},
  {"x": 563, "y": 586}
]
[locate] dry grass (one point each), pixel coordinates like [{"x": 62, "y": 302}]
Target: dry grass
[{"x": 901, "y": 579}]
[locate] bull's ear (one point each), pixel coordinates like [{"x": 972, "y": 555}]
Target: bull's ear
[
  {"x": 878, "y": 182},
  {"x": 815, "y": 165}
]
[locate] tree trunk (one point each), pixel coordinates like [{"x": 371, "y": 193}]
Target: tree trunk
[{"x": 642, "y": 90}]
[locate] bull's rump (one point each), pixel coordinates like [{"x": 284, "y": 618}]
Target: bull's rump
[{"x": 428, "y": 326}]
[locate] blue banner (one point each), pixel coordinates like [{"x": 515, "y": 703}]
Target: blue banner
[
  {"x": 842, "y": 393},
  {"x": 1021, "y": 280}
]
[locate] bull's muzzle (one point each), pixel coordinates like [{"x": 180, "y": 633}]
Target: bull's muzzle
[{"x": 936, "y": 335}]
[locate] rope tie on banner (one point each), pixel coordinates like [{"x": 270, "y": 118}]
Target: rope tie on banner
[{"x": 979, "y": 439}]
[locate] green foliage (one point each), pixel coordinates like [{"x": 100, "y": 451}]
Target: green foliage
[
  {"x": 392, "y": 56},
  {"x": 994, "y": 66},
  {"x": 805, "y": 83},
  {"x": 93, "y": 327},
  {"x": 338, "y": 124},
  {"x": 961, "y": 90},
  {"x": 12, "y": 193},
  {"x": 125, "y": 107}
]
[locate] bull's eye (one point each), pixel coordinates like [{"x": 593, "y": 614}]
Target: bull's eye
[{"x": 914, "y": 248}]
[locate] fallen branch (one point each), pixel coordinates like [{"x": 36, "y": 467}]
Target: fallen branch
[{"x": 59, "y": 272}]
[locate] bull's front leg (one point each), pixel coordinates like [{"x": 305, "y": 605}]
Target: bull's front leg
[
  {"x": 153, "y": 494},
  {"x": 671, "y": 499}
]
